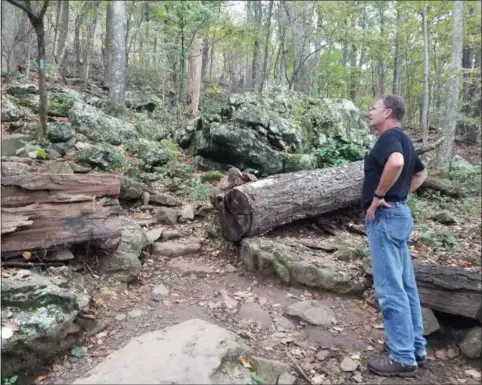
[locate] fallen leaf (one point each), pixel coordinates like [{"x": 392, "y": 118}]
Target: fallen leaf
[
  {"x": 337, "y": 328},
  {"x": 40, "y": 378},
  {"x": 378, "y": 326},
  {"x": 441, "y": 354},
  {"x": 27, "y": 255},
  {"x": 473, "y": 373},
  {"x": 357, "y": 377},
  {"x": 451, "y": 353},
  {"x": 318, "y": 379},
  {"x": 245, "y": 363}
]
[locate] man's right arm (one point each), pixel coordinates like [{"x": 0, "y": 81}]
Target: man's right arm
[{"x": 417, "y": 180}]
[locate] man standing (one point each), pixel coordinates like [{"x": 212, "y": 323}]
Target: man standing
[{"x": 392, "y": 170}]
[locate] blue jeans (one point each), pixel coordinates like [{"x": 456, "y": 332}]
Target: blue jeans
[{"x": 394, "y": 279}]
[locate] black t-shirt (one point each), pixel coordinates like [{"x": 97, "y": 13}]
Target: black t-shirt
[{"x": 392, "y": 140}]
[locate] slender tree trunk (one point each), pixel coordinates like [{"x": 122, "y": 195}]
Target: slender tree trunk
[
  {"x": 56, "y": 27},
  {"x": 9, "y": 26},
  {"x": 62, "y": 34},
  {"x": 266, "y": 47},
  {"x": 40, "y": 30},
  {"x": 396, "y": 60},
  {"x": 254, "y": 66},
  {"x": 381, "y": 65},
  {"x": 117, "y": 56},
  {"x": 445, "y": 151},
  {"x": 108, "y": 46},
  {"x": 90, "y": 38},
  {"x": 195, "y": 73},
  {"x": 425, "y": 77}
]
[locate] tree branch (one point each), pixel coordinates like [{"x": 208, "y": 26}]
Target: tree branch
[
  {"x": 44, "y": 8},
  {"x": 24, "y": 7}
]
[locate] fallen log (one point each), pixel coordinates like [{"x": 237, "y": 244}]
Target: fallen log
[
  {"x": 257, "y": 207},
  {"x": 48, "y": 211},
  {"x": 449, "y": 290}
]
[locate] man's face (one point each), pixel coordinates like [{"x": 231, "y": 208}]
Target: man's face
[{"x": 378, "y": 115}]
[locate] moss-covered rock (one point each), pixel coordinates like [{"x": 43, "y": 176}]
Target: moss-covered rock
[
  {"x": 105, "y": 157},
  {"x": 98, "y": 126},
  {"x": 10, "y": 111},
  {"x": 211, "y": 176},
  {"x": 60, "y": 132},
  {"x": 152, "y": 130},
  {"x": 39, "y": 316},
  {"x": 274, "y": 132},
  {"x": 300, "y": 266},
  {"x": 152, "y": 153}
]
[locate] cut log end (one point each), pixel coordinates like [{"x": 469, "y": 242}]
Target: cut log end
[{"x": 237, "y": 215}]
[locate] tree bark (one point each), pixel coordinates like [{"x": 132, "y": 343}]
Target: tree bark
[
  {"x": 254, "y": 63},
  {"x": 195, "y": 74},
  {"x": 444, "y": 154},
  {"x": 90, "y": 38},
  {"x": 108, "y": 46},
  {"x": 448, "y": 289},
  {"x": 256, "y": 208},
  {"x": 9, "y": 27},
  {"x": 426, "y": 74},
  {"x": 266, "y": 47},
  {"x": 396, "y": 60},
  {"x": 62, "y": 34},
  {"x": 47, "y": 211},
  {"x": 117, "y": 58}
]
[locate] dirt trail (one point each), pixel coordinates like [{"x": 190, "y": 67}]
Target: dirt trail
[{"x": 216, "y": 287}]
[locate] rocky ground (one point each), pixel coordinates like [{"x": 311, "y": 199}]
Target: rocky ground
[{"x": 167, "y": 271}]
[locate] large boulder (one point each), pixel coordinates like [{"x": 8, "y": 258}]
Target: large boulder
[
  {"x": 152, "y": 130},
  {"x": 275, "y": 132},
  {"x": 191, "y": 352},
  {"x": 301, "y": 265},
  {"x": 153, "y": 154},
  {"x": 37, "y": 320},
  {"x": 124, "y": 264},
  {"x": 102, "y": 156},
  {"x": 10, "y": 111},
  {"x": 98, "y": 126}
]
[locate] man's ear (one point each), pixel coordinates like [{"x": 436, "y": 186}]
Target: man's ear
[{"x": 388, "y": 113}]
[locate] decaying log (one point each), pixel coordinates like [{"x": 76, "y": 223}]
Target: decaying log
[
  {"x": 257, "y": 207},
  {"x": 50, "y": 211},
  {"x": 449, "y": 290}
]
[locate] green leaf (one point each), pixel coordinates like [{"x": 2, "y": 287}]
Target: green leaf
[
  {"x": 256, "y": 379},
  {"x": 78, "y": 351}
]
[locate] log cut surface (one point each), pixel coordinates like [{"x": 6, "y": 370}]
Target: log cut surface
[{"x": 47, "y": 211}]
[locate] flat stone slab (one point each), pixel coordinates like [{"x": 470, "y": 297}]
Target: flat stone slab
[{"x": 191, "y": 352}]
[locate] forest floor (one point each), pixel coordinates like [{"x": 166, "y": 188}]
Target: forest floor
[{"x": 197, "y": 286}]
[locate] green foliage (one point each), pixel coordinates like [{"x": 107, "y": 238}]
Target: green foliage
[
  {"x": 415, "y": 206},
  {"x": 335, "y": 152},
  {"x": 12, "y": 380},
  {"x": 197, "y": 191},
  {"x": 211, "y": 176},
  {"x": 438, "y": 240},
  {"x": 32, "y": 149}
]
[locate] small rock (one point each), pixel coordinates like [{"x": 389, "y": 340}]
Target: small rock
[
  {"x": 165, "y": 200},
  {"x": 286, "y": 379},
  {"x": 160, "y": 290},
  {"x": 357, "y": 377},
  {"x": 471, "y": 345},
  {"x": 253, "y": 311},
  {"x": 187, "y": 213},
  {"x": 284, "y": 324},
  {"x": 230, "y": 303},
  {"x": 52, "y": 154},
  {"x": 82, "y": 145},
  {"x": 187, "y": 268},
  {"x": 444, "y": 218},
  {"x": 166, "y": 216},
  {"x": 441, "y": 354},
  {"x": 154, "y": 234},
  {"x": 269, "y": 370},
  {"x": 168, "y": 235},
  {"x": 145, "y": 198},
  {"x": 61, "y": 148},
  {"x": 452, "y": 353},
  {"x": 313, "y": 312},
  {"x": 134, "y": 313},
  {"x": 175, "y": 249},
  {"x": 78, "y": 169},
  {"x": 430, "y": 323},
  {"x": 322, "y": 355},
  {"x": 120, "y": 317},
  {"x": 53, "y": 167},
  {"x": 61, "y": 255},
  {"x": 348, "y": 365}
]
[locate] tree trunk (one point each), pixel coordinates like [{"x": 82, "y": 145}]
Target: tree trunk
[
  {"x": 381, "y": 59},
  {"x": 9, "y": 27},
  {"x": 194, "y": 70},
  {"x": 254, "y": 63},
  {"x": 117, "y": 59},
  {"x": 90, "y": 39},
  {"x": 108, "y": 46},
  {"x": 396, "y": 60},
  {"x": 48, "y": 211},
  {"x": 266, "y": 47},
  {"x": 205, "y": 59},
  {"x": 62, "y": 34},
  {"x": 445, "y": 153},
  {"x": 257, "y": 207},
  {"x": 56, "y": 26},
  {"x": 39, "y": 29},
  {"x": 426, "y": 73},
  {"x": 448, "y": 289}
]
